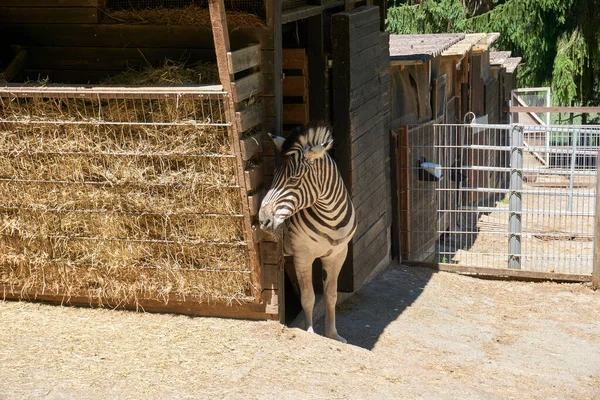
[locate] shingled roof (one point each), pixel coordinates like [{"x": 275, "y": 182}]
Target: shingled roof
[{"x": 420, "y": 48}]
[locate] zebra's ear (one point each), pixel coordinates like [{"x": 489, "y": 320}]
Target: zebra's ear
[{"x": 278, "y": 140}]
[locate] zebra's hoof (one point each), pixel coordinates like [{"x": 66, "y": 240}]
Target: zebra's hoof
[{"x": 337, "y": 337}]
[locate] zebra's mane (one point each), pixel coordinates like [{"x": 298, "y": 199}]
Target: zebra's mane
[{"x": 311, "y": 135}]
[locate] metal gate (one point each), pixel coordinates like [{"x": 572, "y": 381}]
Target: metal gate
[{"x": 510, "y": 197}]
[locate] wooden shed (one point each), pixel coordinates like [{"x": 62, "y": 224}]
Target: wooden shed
[
  {"x": 420, "y": 89},
  {"x": 272, "y": 72}
]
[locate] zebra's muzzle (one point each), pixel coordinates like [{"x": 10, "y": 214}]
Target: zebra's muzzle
[{"x": 268, "y": 221}]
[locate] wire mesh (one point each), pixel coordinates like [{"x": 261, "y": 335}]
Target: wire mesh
[
  {"x": 509, "y": 196},
  {"x": 117, "y": 196}
]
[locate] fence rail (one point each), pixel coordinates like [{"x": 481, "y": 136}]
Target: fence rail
[{"x": 510, "y": 197}]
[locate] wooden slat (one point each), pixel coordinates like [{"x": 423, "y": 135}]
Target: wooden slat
[
  {"x": 81, "y": 15},
  {"x": 254, "y": 201},
  {"x": 295, "y": 113},
  {"x": 254, "y": 176},
  {"x": 295, "y": 86},
  {"x": 244, "y": 59},
  {"x": 249, "y": 117},
  {"x": 122, "y": 36},
  {"x": 270, "y": 275},
  {"x": 251, "y": 145},
  {"x": 245, "y": 310},
  {"x": 222, "y": 48},
  {"x": 246, "y": 87},
  {"x": 271, "y": 301},
  {"x": 294, "y": 59}
]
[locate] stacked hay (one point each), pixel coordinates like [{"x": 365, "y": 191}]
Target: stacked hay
[
  {"x": 95, "y": 204},
  {"x": 191, "y": 15}
]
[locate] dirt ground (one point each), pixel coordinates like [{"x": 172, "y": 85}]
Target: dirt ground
[{"x": 412, "y": 333}]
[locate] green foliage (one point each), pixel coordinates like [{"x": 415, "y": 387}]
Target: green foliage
[{"x": 559, "y": 40}]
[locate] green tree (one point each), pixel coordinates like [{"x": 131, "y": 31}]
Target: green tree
[{"x": 559, "y": 40}]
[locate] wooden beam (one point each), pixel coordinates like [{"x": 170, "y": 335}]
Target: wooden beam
[
  {"x": 245, "y": 58},
  {"x": 555, "y": 109},
  {"x": 502, "y": 272},
  {"x": 176, "y": 304},
  {"x": 222, "y": 48}
]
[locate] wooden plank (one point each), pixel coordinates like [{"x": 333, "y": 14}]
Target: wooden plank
[
  {"x": 121, "y": 36},
  {"x": 363, "y": 241},
  {"x": 271, "y": 252},
  {"x": 295, "y": 86},
  {"x": 295, "y": 113},
  {"x": 243, "y": 59},
  {"x": 368, "y": 112},
  {"x": 299, "y": 13},
  {"x": 317, "y": 68},
  {"x": 80, "y": 15},
  {"x": 379, "y": 183},
  {"x": 248, "y": 118},
  {"x": 294, "y": 59},
  {"x": 364, "y": 57},
  {"x": 254, "y": 176},
  {"x": 365, "y": 29},
  {"x": 50, "y": 3},
  {"x": 14, "y": 68},
  {"x": 503, "y": 272},
  {"x": 365, "y": 86},
  {"x": 361, "y": 16},
  {"x": 270, "y": 275},
  {"x": 239, "y": 122},
  {"x": 246, "y": 87},
  {"x": 364, "y": 43},
  {"x": 271, "y": 301},
  {"x": 245, "y": 310},
  {"x": 377, "y": 257},
  {"x": 82, "y": 58},
  {"x": 254, "y": 201},
  {"x": 554, "y": 109},
  {"x": 251, "y": 145}
]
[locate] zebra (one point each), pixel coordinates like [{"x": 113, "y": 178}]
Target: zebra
[{"x": 308, "y": 202}]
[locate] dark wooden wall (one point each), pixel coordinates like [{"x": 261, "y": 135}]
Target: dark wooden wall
[
  {"x": 83, "y": 50},
  {"x": 361, "y": 117}
]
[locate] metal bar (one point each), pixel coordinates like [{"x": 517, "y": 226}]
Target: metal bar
[
  {"x": 525, "y": 211},
  {"x": 118, "y": 212},
  {"x": 103, "y": 92},
  {"x": 515, "y": 200},
  {"x": 116, "y": 154},
  {"x": 116, "y": 184},
  {"x": 572, "y": 175},
  {"x": 102, "y": 122},
  {"x": 543, "y": 109},
  {"x": 129, "y": 240},
  {"x": 596, "y": 262}
]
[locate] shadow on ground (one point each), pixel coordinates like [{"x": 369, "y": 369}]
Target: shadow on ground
[{"x": 362, "y": 318}]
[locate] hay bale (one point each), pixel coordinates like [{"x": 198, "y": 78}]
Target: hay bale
[
  {"x": 121, "y": 212},
  {"x": 191, "y": 15}
]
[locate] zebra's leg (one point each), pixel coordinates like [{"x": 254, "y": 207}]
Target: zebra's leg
[
  {"x": 331, "y": 270},
  {"x": 303, "y": 266}
]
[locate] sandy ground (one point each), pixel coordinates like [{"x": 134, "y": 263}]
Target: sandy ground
[{"x": 412, "y": 334}]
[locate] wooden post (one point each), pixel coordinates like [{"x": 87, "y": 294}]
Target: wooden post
[
  {"x": 596, "y": 270},
  {"x": 223, "y": 47}
]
